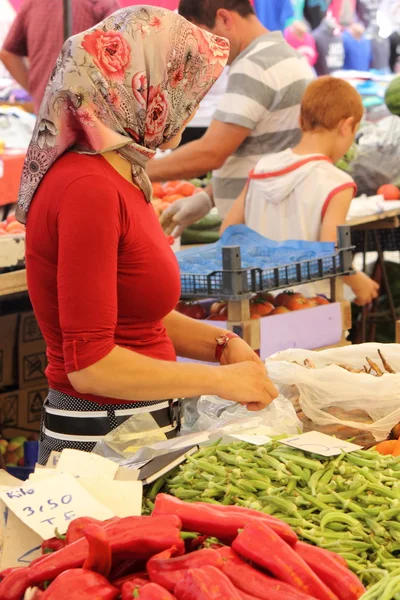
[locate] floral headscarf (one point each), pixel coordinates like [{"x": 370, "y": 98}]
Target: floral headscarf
[{"x": 130, "y": 83}]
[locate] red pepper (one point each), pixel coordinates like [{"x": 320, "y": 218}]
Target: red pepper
[
  {"x": 339, "y": 579},
  {"x": 6, "y": 572},
  {"x": 259, "y": 544},
  {"x": 207, "y": 583},
  {"x": 195, "y": 544},
  {"x": 126, "y": 568},
  {"x": 131, "y": 537},
  {"x": 150, "y": 591},
  {"x": 204, "y": 518},
  {"x": 140, "y": 577},
  {"x": 245, "y": 596},
  {"x": 247, "y": 579},
  {"x": 99, "y": 558},
  {"x": 324, "y": 554},
  {"x": 130, "y": 585},
  {"x": 53, "y": 544},
  {"x": 79, "y": 584},
  {"x": 167, "y": 571},
  {"x": 15, "y": 584},
  {"x": 77, "y": 526}
]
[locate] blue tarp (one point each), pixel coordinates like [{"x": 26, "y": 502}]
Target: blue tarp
[{"x": 256, "y": 252}]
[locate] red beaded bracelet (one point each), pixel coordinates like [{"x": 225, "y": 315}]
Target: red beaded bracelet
[{"x": 222, "y": 343}]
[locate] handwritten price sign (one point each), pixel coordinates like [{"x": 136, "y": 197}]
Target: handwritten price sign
[{"x": 53, "y": 503}]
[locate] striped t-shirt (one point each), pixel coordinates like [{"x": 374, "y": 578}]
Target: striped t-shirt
[{"x": 265, "y": 88}]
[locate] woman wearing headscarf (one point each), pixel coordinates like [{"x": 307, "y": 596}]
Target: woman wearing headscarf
[{"x": 102, "y": 278}]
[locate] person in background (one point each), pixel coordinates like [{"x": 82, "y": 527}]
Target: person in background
[
  {"x": 7, "y": 13},
  {"x": 299, "y": 194},
  {"x": 102, "y": 277},
  {"x": 298, "y": 36},
  {"x": 37, "y": 34},
  {"x": 202, "y": 119},
  {"x": 258, "y": 113}
]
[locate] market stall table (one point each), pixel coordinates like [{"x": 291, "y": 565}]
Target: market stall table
[{"x": 377, "y": 233}]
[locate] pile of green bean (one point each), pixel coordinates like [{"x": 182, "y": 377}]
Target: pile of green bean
[{"x": 349, "y": 504}]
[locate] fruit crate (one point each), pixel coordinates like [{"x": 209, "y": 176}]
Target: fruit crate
[{"x": 233, "y": 282}]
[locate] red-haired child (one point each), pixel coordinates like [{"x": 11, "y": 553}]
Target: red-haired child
[{"x": 299, "y": 194}]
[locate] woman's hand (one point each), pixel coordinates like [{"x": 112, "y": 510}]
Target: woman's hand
[
  {"x": 247, "y": 383},
  {"x": 236, "y": 351}
]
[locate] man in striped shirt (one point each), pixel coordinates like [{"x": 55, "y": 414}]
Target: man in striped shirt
[{"x": 259, "y": 113}]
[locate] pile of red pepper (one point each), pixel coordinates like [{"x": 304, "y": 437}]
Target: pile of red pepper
[{"x": 257, "y": 557}]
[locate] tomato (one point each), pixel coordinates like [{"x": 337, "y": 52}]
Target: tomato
[
  {"x": 3, "y": 232},
  {"x": 261, "y": 308},
  {"x": 15, "y": 227},
  {"x": 171, "y": 240},
  {"x": 191, "y": 309},
  {"x": 170, "y": 198},
  {"x": 185, "y": 188},
  {"x": 158, "y": 190},
  {"x": 3, "y": 224},
  {"x": 319, "y": 301},
  {"x": 216, "y": 307},
  {"x": 389, "y": 192},
  {"x": 267, "y": 296},
  {"x": 281, "y": 299},
  {"x": 11, "y": 218},
  {"x": 298, "y": 303},
  {"x": 280, "y": 310}
]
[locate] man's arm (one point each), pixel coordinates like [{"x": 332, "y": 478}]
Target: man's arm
[
  {"x": 17, "y": 68},
  {"x": 204, "y": 155}
]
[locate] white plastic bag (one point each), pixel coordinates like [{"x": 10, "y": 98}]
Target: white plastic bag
[
  {"x": 213, "y": 413},
  {"x": 329, "y": 390}
]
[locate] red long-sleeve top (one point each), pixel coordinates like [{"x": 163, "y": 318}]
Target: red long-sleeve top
[{"x": 100, "y": 270}]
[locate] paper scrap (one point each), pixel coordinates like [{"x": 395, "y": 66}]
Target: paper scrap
[
  {"x": 320, "y": 443},
  {"x": 53, "y": 503},
  {"x": 85, "y": 464}
]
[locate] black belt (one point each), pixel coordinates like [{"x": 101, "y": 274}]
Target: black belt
[{"x": 101, "y": 426}]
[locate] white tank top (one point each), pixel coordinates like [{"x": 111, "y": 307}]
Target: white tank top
[{"x": 288, "y": 197}]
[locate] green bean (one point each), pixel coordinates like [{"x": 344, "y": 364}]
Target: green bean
[
  {"x": 291, "y": 486},
  {"x": 314, "y": 480},
  {"x": 302, "y": 461},
  {"x": 274, "y": 463},
  {"x": 211, "y": 468},
  {"x": 284, "y": 505}
]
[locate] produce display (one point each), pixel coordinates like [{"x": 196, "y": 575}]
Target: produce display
[
  {"x": 261, "y": 305},
  {"x": 349, "y": 504},
  {"x": 12, "y": 451},
  {"x": 183, "y": 552},
  {"x": 164, "y": 194},
  {"x": 11, "y": 226}
]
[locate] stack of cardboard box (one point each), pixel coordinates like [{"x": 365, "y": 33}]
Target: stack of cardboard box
[{"x": 23, "y": 385}]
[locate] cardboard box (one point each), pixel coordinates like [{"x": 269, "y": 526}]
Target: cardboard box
[
  {"x": 31, "y": 353},
  {"x": 22, "y": 409},
  {"x": 8, "y": 350}
]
